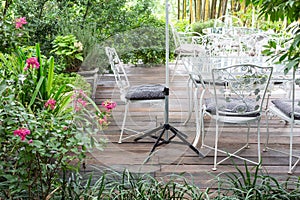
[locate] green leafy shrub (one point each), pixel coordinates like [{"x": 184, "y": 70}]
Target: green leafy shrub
[
  {"x": 70, "y": 50},
  {"x": 12, "y": 33},
  {"x": 145, "y": 44},
  {"x": 71, "y": 79},
  {"x": 182, "y": 25},
  {"x": 199, "y": 26},
  {"x": 148, "y": 56},
  {"x": 45, "y": 129}
]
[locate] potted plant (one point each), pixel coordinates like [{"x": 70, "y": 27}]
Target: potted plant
[{"x": 70, "y": 51}]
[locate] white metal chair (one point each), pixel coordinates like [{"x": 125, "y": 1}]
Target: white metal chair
[
  {"x": 130, "y": 94},
  {"x": 287, "y": 109},
  {"x": 238, "y": 100},
  {"x": 186, "y": 44}
]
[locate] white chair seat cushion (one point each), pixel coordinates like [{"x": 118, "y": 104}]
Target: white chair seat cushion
[
  {"x": 190, "y": 48},
  {"x": 146, "y": 92},
  {"x": 233, "y": 106},
  {"x": 285, "y": 106}
]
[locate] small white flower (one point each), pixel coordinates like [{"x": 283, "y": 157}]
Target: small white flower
[{"x": 78, "y": 45}]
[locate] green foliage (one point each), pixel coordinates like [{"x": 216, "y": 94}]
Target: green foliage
[
  {"x": 255, "y": 184},
  {"x": 126, "y": 185},
  {"x": 90, "y": 21},
  {"x": 10, "y": 36},
  {"x": 199, "y": 26},
  {"x": 278, "y": 10},
  {"x": 69, "y": 49},
  {"x": 145, "y": 56},
  {"x": 31, "y": 169},
  {"x": 181, "y": 26},
  {"x": 71, "y": 79},
  {"x": 247, "y": 183},
  {"x": 145, "y": 43},
  {"x": 49, "y": 18},
  {"x": 59, "y": 120}
]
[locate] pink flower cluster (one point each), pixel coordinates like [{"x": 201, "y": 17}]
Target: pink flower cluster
[
  {"x": 50, "y": 103},
  {"x": 79, "y": 104},
  {"x": 103, "y": 121},
  {"x": 32, "y": 63},
  {"x": 109, "y": 105},
  {"x": 20, "y": 22},
  {"x": 22, "y": 132}
]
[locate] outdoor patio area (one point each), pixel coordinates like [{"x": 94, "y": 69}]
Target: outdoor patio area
[{"x": 175, "y": 158}]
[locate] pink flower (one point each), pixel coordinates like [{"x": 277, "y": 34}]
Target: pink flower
[
  {"x": 77, "y": 103},
  {"x": 50, "y": 103},
  {"x": 82, "y": 102},
  {"x": 20, "y": 22},
  {"x": 77, "y": 108},
  {"x": 109, "y": 105},
  {"x": 32, "y": 62},
  {"x": 78, "y": 93},
  {"x": 30, "y": 141},
  {"x": 103, "y": 121},
  {"x": 22, "y": 132},
  {"x": 81, "y": 92}
]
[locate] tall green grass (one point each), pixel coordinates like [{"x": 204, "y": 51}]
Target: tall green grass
[{"x": 250, "y": 183}]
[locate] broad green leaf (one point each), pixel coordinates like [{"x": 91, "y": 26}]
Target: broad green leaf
[
  {"x": 37, "y": 89},
  {"x": 50, "y": 76}
]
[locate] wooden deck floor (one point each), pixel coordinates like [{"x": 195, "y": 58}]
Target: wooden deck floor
[{"x": 174, "y": 158}]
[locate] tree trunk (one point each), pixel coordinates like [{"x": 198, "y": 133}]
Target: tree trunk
[
  {"x": 235, "y": 6},
  {"x": 207, "y": 10},
  {"x": 198, "y": 10},
  {"x": 225, "y": 2},
  {"x": 178, "y": 9},
  {"x": 184, "y": 9},
  {"x": 213, "y": 9},
  {"x": 192, "y": 18},
  {"x": 219, "y": 9}
]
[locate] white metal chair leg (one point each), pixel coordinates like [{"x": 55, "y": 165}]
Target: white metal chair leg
[
  {"x": 123, "y": 123},
  {"x": 291, "y": 150},
  {"x": 202, "y": 128},
  {"x": 198, "y": 130},
  {"x": 216, "y": 147},
  {"x": 190, "y": 96},
  {"x": 267, "y": 139},
  {"x": 248, "y": 134},
  {"x": 258, "y": 142},
  {"x": 175, "y": 67}
]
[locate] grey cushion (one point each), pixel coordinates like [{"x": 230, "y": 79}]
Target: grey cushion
[
  {"x": 285, "y": 106},
  {"x": 190, "y": 48},
  {"x": 146, "y": 92},
  {"x": 233, "y": 105}
]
